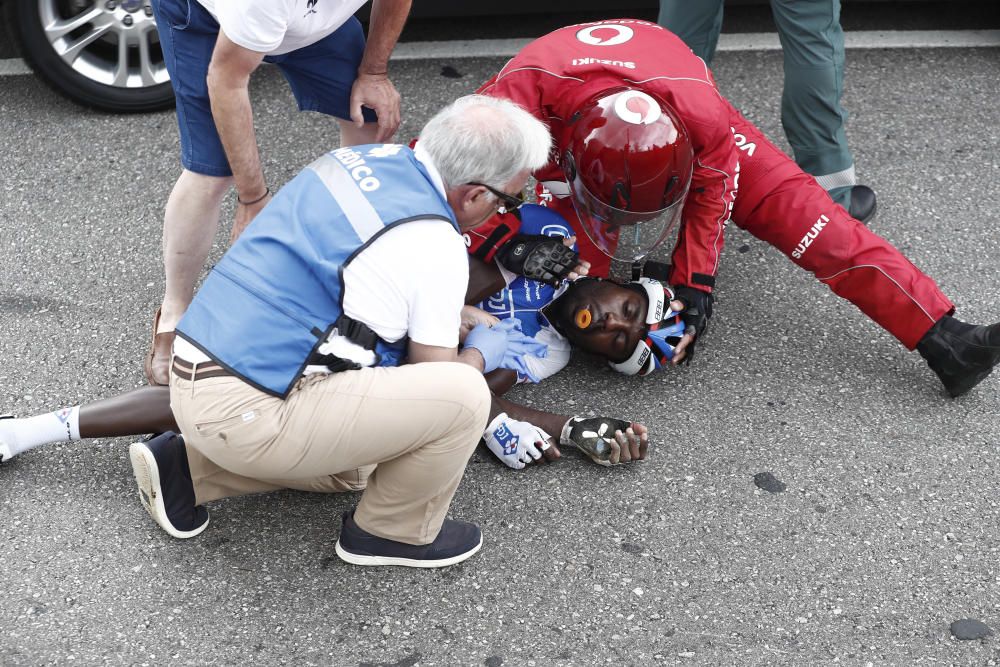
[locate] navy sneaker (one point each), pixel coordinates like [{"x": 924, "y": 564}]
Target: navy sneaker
[
  {"x": 165, "y": 488},
  {"x": 457, "y": 541}
]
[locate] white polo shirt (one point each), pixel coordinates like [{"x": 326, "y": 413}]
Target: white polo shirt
[{"x": 275, "y": 27}]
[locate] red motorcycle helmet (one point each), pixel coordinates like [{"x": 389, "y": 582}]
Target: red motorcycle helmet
[{"x": 628, "y": 163}]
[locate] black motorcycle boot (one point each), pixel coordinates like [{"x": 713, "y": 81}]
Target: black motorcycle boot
[
  {"x": 961, "y": 354},
  {"x": 863, "y": 203}
]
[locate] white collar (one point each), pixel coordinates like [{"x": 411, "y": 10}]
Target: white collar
[{"x": 424, "y": 158}]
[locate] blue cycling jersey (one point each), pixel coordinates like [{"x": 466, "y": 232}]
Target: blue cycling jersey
[{"x": 524, "y": 298}]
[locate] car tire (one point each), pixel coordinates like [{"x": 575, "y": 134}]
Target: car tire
[{"x": 90, "y": 71}]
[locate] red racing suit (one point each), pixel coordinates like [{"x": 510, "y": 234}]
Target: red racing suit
[{"x": 738, "y": 173}]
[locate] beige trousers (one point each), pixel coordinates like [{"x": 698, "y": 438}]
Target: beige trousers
[{"x": 419, "y": 423}]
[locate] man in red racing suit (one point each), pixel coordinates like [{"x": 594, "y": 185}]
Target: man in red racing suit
[{"x": 776, "y": 202}]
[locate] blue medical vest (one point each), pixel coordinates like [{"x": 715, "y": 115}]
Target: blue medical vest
[{"x": 276, "y": 294}]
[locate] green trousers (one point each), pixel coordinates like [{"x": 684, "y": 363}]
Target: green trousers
[{"x": 813, "y": 45}]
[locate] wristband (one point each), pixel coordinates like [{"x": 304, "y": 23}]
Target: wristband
[
  {"x": 267, "y": 191},
  {"x": 567, "y": 428}
]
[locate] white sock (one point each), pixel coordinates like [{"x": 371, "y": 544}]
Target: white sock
[{"x": 20, "y": 435}]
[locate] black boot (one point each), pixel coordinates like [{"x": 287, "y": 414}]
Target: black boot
[
  {"x": 961, "y": 354},
  {"x": 863, "y": 203}
]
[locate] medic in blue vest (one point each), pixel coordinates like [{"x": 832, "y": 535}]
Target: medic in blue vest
[{"x": 265, "y": 328}]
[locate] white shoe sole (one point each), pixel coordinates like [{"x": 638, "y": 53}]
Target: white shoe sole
[
  {"x": 358, "y": 559},
  {"x": 5, "y": 454},
  {"x": 147, "y": 476}
]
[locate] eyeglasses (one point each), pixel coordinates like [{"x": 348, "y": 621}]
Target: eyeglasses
[{"x": 510, "y": 202}]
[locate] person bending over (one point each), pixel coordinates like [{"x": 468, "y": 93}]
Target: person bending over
[{"x": 644, "y": 141}]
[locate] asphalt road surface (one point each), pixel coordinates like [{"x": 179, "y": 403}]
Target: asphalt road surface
[{"x": 887, "y": 531}]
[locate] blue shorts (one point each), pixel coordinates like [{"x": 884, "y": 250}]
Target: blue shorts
[{"x": 320, "y": 75}]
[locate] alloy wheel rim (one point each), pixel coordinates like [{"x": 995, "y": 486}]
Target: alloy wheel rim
[{"x": 110, "y": 42}]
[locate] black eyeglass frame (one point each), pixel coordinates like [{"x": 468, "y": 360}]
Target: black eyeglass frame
[{"x": 510, "y": 202}]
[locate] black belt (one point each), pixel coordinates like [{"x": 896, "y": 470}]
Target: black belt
[{"x": 188, "y": 371}]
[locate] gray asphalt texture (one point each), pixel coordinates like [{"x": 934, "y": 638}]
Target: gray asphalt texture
[{"x": 887, "y": 531}]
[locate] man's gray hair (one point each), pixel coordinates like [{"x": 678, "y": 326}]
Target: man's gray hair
[{"x": 485, "y": 139}]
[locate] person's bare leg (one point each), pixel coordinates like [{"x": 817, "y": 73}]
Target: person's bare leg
[
  {"x": 352, "y": 135},
  {"x": 189, "y": 226},
  {"x": 141, "y": 411}
]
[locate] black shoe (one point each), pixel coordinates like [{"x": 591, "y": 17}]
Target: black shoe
[
  {"x": 961, "y": 354},
  {"x": 863, "y": 203},
  {"x": 457, "y": 541},
  {"x": 165, "y": 488}
]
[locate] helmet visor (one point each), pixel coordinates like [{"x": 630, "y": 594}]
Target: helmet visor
[{"x": 626, "y": 236}]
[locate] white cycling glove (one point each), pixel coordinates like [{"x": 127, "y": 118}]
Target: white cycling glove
[{"x": 514, "y": 442}]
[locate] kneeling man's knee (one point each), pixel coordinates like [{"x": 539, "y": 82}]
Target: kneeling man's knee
[{"x": 468, "y": 389}]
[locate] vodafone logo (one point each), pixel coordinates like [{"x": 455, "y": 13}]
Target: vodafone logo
[
  {"x": 605, "y": 35},
  {"x": 638, "y": 108}
]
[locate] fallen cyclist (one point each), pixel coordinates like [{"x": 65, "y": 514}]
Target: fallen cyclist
[{"x": 634, "y": 326}]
